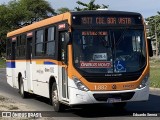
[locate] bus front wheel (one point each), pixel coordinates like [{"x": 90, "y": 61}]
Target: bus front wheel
[
  {"x": 21, "y": 89},
  {"x": 58, "y": 107}
]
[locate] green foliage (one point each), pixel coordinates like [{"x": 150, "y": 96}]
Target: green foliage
[
  {"x": 4, "y": 26},
  {"x": 154, "y": 30},
  {"x": 154, "y": 73},
  {"x": 154, "y": 21},
  {"x": 35, "y": 10},
  {"x": 2, "y": 63},
  {"x": 19, "y": 13},
  {"x": 29, "y": 11},
  {"x": 63, "y": 10},
  {"x": 90, "y": 6}
]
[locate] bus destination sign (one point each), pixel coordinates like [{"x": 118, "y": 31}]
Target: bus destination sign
[{"x": 103, "y": 20}]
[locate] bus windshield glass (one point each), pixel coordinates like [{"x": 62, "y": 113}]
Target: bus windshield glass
[{"x": 109, "y": 51}]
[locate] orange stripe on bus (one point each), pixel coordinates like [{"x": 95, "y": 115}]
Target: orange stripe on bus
[{"x": 49, "y": 21}]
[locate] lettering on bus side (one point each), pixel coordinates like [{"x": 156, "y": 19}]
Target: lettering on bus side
[
  {"x": 40, "y": 71},
  {"x": 51, "y": 69}
]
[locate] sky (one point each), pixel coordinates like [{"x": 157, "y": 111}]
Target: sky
[{"x": 146, "y": 7}]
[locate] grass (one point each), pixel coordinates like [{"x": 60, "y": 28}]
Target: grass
[
  {"x": 2, "y": 63},
  {"x": 155, "y": 73}
]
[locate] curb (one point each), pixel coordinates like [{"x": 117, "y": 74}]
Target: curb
[
  {"x": 157, "y": 89},
  {"x": 2, "y": 68}
]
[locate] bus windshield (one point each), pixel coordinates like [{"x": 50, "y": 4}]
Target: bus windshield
[{"x": 109, "y": 51}]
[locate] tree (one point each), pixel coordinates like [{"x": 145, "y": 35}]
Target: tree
[
  {"x": 19, "y": 13},
  {"x": 154, "y": 30},
  {"x": 4, "y": 27},
  {"x": 35, "y": 10},
  {"x": 63, "y": 10},
  {"x": 90, "y": 6}
]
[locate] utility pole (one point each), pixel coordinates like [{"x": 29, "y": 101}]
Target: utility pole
[{"x": 156, "y": 39}]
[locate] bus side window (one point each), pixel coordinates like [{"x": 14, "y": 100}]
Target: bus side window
[
  {"x": 39, "y": 43},
  {"x": 49, "y": 45},
  {"x": 21, "y": 46}
]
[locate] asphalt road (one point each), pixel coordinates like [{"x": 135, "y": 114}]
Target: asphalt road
[{"x": 94, "y": 112}]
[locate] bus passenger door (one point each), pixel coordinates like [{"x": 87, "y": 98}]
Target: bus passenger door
[
  {"x": 63, "y": 56},
  {"x": 29, "y": 64}
]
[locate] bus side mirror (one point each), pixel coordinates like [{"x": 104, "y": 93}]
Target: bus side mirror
[
  {"x": 150, "y": 47},
  {"x": 65, "y": 39}
]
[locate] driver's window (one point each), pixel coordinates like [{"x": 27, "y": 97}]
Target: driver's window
[{"x": 124, "y": 46}]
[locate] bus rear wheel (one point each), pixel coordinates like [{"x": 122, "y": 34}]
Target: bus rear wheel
[
  {"x": 58, "y": 107},
  {"x": 21, "y": 89}
]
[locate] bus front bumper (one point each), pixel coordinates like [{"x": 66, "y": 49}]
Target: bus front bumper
[{"x": 92, "y": 97}]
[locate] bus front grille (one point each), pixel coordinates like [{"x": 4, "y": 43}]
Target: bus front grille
[{"x": 105, "y": 96}]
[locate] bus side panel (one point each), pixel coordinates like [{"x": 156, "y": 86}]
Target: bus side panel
[
  {"x": 10, "y": 72},
  {"x": 40, "y": 81},
  {"x": 42, "y": 71},
  {"x": 21, "y": 69},
  {"x": 9, "y": 76}
]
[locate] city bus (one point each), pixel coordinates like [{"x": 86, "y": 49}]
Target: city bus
[{"x": 79, "y": 58}]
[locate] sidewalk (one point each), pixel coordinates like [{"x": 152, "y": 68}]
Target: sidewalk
[{"x": 157, "y": 89}]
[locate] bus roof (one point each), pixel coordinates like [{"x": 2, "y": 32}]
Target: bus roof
[
  {"x": 48, "y": 21},
  {"x": 109, "y": 12},
  {"x": 65, "y": 16}
]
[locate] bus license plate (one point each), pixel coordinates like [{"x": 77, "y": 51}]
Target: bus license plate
[{"x": 113, "y": 100}]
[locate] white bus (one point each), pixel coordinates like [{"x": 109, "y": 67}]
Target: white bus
[{"x": 84, "y": 57}]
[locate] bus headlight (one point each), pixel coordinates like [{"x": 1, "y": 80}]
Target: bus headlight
[
  {"x": 79, "y": 84},
  {"x": 144, "y": 82}
]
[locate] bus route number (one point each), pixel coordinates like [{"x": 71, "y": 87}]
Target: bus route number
[{"x": 100, "y": 87}]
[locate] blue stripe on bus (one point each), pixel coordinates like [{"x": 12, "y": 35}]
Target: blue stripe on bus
[
  {"x": 11, "y": 64},
  {"x": 49, "y": 63}
]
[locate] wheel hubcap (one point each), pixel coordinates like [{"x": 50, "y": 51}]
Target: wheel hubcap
[
  {"x": 55, "y": 97},
  {"x": 21, "y": 88}
]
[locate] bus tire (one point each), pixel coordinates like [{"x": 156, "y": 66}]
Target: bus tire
[
  {"x": 21, "y": 89},
  {"x": 58, "y": 107},
  {"x": 120, "y": 105}
]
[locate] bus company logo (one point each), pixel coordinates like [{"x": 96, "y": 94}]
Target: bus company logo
[
  {"x": 114, "y": 87},
  {"x": 51, "y": 70},
  {"x": 95, "y": 64},
  {"x": 40, "y": 71},
  {"x": 128, "y": 86}
]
